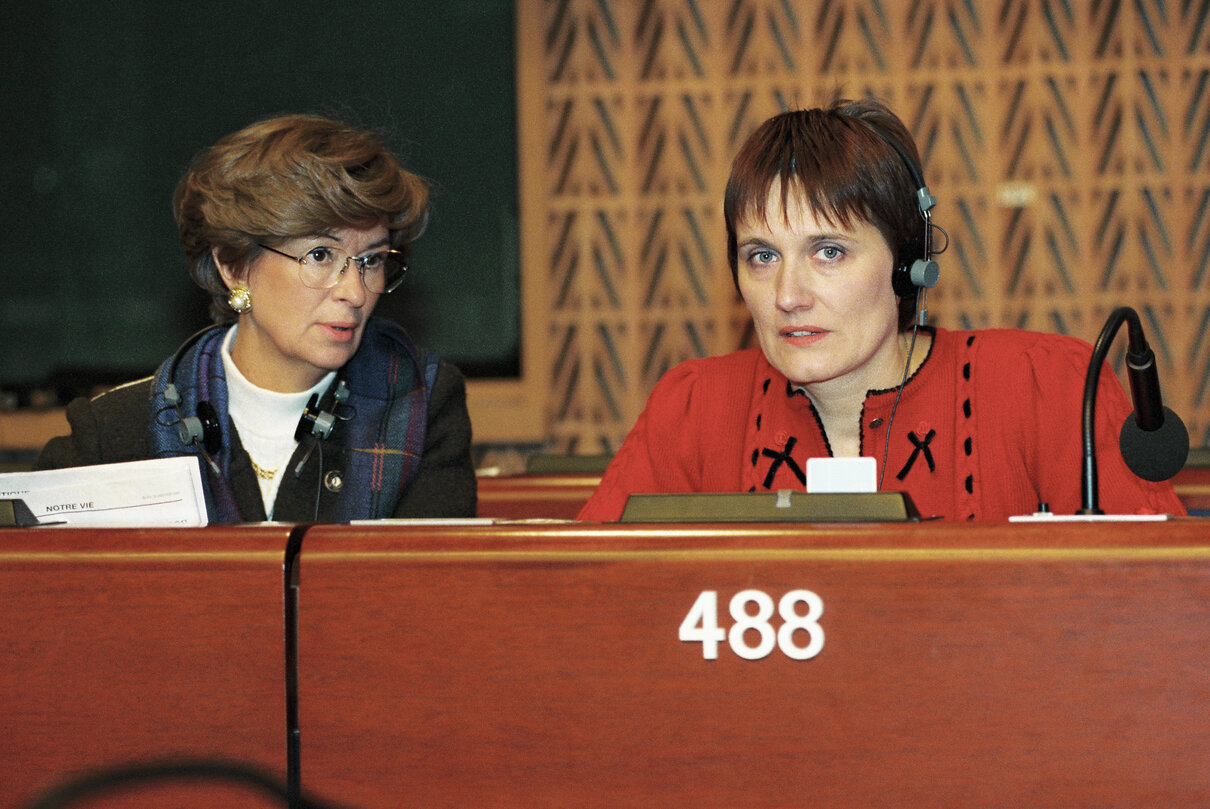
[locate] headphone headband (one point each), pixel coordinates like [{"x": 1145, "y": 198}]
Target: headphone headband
[{"x": 913, "y": 274}]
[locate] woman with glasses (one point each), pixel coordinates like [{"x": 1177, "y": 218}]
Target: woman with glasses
[{"x": 298, "y": 404}]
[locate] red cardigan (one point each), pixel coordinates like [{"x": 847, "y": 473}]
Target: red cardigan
[{"x": 987, "y": 427}]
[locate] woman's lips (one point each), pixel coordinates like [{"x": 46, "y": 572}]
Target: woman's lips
[
  {"x": 341, "y": 332},
  {"x": 802, "y": 335}
]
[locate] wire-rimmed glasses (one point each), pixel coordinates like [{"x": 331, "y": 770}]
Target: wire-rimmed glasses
[{"x": 322, "y": 267}]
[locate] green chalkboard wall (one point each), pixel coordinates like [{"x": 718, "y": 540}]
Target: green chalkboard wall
[{"x": 107, "y": 103}]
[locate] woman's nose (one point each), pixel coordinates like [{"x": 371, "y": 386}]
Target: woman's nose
[
  {"x": 350, "y": 288},
  {"x": 793, "y": 288}
]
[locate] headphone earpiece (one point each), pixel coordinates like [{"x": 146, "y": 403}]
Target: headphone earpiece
[
  {"x": 211, "y": 432},
  {"x": 921, "y": 273},
  {"x": 203, "y": 428},
  {"x": 925, "y": 273},
  {"x": 319, "y": 422}
]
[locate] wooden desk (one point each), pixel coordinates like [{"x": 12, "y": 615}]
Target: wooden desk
[
  {"x": 1193, "y": 487},
  {"x": 125, "y": 645},
  {"x": 515, "y": 497},
  {"x": 518, "y": 497},
  {"x": 963, "y": 665}
]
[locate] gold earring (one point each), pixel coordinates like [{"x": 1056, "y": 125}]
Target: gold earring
[{"x": 240, "y": 299}]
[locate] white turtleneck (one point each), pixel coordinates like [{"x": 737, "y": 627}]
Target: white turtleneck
[{"x": 266, "y": 421}]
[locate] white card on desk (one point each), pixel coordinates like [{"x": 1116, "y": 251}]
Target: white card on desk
[{"x": 834, "y": 475}]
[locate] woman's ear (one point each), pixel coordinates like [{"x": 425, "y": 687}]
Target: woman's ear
[{"x": 231, "y": 274}]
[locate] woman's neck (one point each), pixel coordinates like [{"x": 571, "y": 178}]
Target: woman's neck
[{"x": 840, "y": 402}]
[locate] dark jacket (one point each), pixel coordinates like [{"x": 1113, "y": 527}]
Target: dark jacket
[{"x": 112, "y": 428}]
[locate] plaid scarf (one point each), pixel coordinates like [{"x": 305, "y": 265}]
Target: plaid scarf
[
  {"x": 384, "y": 419},
  {"x": 389, "y": 395}
]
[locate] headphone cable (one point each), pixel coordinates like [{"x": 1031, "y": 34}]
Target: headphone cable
[{"x": 907, "y": 367}]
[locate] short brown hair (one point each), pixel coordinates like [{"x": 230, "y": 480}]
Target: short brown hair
[
  {"x": 285, "y": 178},
  {"x": 838, "y": 158}
]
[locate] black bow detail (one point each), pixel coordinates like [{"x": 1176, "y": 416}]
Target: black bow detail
[
  {"x": 783, "y": 457},
  {"x": 920, "y": 446}
]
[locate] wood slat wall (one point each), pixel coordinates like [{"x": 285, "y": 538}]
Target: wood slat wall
[{"x": 1067, "y": 145}]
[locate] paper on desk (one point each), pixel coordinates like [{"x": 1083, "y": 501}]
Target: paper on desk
[{"x": 159, "y": 492}]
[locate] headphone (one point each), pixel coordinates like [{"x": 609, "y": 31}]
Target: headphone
[
  {"x": 203, "y": 429},
  {"x": 315, "y": 420},
  {"x": 911, "y": 275}
]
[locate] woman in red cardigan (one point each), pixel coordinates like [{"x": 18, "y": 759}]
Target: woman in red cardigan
[{"x": 829, "y": 242}]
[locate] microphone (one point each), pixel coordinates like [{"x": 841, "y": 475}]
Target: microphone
[{"x": 1153, "y": 441}]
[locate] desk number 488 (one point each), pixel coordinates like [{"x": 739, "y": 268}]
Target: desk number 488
[{"x": 701, "y": 625}]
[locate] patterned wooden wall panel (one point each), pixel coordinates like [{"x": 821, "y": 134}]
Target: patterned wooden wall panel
[
  {"x": 671, "y": 42},
  {"x": 1068, "y": 145}
]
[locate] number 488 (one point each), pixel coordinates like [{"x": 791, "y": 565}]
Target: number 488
[{"x": 701, "y": 624}]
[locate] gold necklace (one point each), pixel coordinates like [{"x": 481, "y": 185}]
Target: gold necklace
[{"x": 262, "y": 472}]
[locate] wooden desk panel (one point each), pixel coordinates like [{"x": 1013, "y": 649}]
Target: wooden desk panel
[
  {"x": 964, "y": 665},
  {"x": 515, "y": 497},
  {"x": 125, "y": 645},
  {"x": 1193, "y": 487}
]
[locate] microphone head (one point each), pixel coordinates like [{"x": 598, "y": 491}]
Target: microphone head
[{"x": 1157, "y": 454}]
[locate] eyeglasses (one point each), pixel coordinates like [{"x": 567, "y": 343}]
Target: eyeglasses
[{"x": 322, "y": 268}]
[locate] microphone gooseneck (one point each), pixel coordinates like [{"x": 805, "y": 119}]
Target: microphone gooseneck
[{"x": 1153, "y": 440}]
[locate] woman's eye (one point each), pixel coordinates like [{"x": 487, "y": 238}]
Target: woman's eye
[
  {"x": 373, "y": 261},
  {"x": 762, "y": 256},
  {"x": 319, "y": 255},
  {"x": 830, "y": 252}
]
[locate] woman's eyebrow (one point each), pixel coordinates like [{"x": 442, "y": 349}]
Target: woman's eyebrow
[
  {"x": 331, "y": 236},
  {"x": 753, "y": 241},
  {"x": 831, "y": 236}
]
